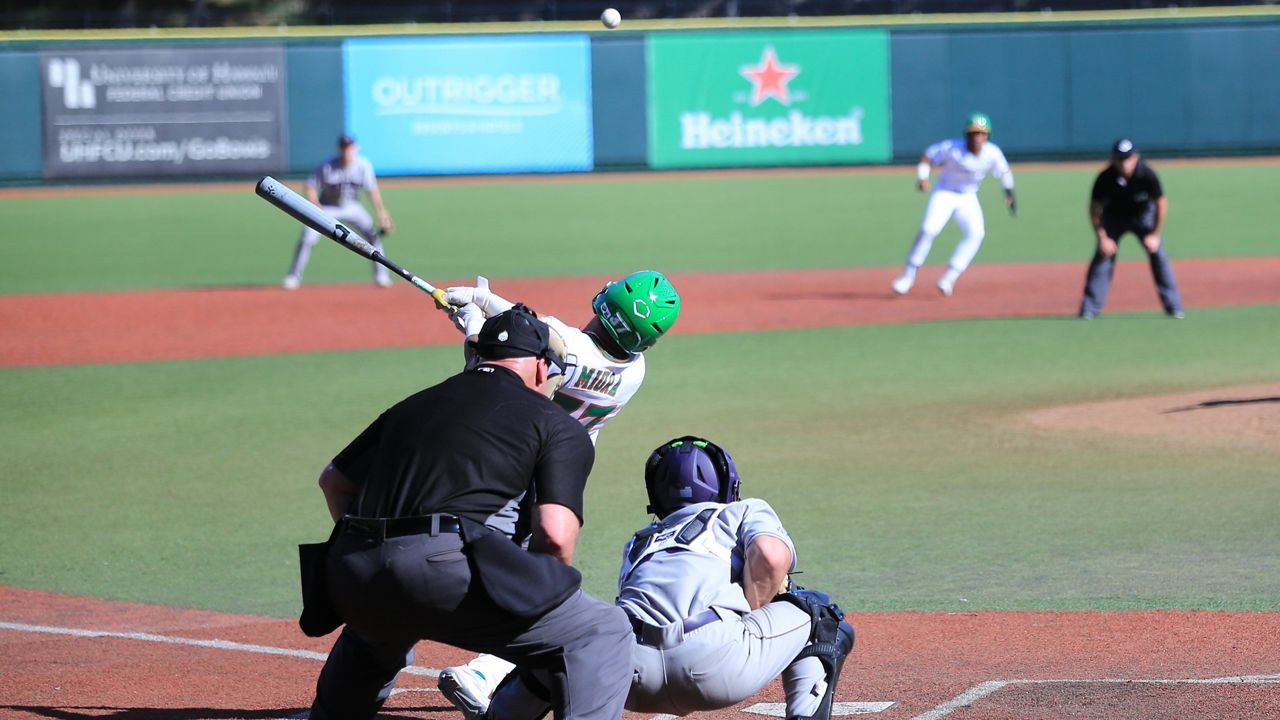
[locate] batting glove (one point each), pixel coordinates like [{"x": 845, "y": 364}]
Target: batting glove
[
  {"x": 489, "y": 303},
  {"x": 469, "y": 319}
]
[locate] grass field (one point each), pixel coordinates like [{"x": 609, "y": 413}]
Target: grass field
[
  {"x": 895, "y": 454},
  {"x": 778, "y": 220}
]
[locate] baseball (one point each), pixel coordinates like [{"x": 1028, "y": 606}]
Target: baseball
[{"x": 611, "y": 18}]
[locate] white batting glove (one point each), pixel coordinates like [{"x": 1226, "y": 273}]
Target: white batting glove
[
  {"x": 489, "y": 303},
  {"x": 469, "y": 319}
]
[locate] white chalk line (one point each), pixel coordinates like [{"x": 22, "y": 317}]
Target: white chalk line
[
  {"x": 196, "y": 642},
  {"x": 838, "y": 709},
  {"x": 982, "y": 690}
]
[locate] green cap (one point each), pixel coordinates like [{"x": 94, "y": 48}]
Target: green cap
[
  {"x": 978, "y": 123},
  {"x": 637, "y": 309}
]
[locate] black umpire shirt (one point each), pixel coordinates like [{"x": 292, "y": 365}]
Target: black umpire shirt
[
  {"x": 1122, "y": 197},
  {"x": 475, "y": 445}
]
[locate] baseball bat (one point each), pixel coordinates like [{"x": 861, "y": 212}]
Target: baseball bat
[{"x": 305, "y": 212}]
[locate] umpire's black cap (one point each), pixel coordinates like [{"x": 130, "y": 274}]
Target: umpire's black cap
[
  {"x": 1123, "y": 148},
  {"x": 515, "y": 333}
]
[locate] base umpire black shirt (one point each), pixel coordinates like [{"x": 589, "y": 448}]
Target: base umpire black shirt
[
  {"x": 1122, "y": 197},
  {"x": 475, "y": 445}
]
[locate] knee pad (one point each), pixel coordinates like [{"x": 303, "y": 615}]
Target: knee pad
[{"x": 830, "y": 640}]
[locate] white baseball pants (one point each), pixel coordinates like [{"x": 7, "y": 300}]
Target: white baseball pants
[{"x": 943, "y": 205}]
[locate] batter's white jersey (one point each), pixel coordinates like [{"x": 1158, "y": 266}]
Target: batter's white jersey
[
  {"x": 340, "y": 185},
  {"x": 963, "y": 171},
  {"x": 599, "y": 386},
  {"x": 692, "y": 560}
]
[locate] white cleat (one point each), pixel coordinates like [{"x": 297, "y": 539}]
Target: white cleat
[
  {"x": 903, "y": 284},
  {"x": 291, "y": 282},
  {"x": 383, "y": 281},
  {"x": 946, "y": 285},
  {"x": 467, "y": 689}
]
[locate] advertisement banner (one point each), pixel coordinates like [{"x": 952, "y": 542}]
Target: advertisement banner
[
  {"x": 471, "y": 104},
  {"x": 768, "y": 98},
  {"x": 163, "y": 111}
]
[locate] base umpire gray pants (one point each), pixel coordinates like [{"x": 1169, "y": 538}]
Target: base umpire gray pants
[
  {"x": 1102, "y": 268},
  {"x": 396, "y": 591}
]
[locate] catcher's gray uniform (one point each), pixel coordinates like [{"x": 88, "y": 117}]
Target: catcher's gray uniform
[
  {"x": 338, "y": 187},
  {"x": 699, "y": 646}
]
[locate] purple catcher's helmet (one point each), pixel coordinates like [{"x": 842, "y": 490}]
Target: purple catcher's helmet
[{"x": 687, "y": 471}]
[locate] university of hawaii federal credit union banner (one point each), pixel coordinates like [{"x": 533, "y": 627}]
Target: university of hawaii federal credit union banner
[
  {"x": 768, "y": 98},
  {"x": 141, "y": 112},
  {"x": 471, "y": 104}
]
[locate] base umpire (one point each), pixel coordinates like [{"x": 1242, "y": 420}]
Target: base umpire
[
  {"x": 431, "y": 501},
  {"x": 1127, "y": 197}
]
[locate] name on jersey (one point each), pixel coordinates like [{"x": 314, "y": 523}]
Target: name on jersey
[{"x": 599, "y": 381}]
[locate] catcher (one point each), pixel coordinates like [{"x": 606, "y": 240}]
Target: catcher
[{"x": 705, "y": 588}]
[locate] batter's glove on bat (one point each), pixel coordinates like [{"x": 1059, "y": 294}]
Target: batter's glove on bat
[
  {"x": 469, "y": 319},
  {"x": 489, "y": 303},
  {"x": 1012, "y": 201}
]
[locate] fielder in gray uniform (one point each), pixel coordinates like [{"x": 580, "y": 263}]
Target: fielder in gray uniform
[
  {"x": 706, "y": 590},
  {"x": 335, "y": 186}
]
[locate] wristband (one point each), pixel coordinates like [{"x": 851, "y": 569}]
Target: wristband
[{"x": 922, "y": 171}]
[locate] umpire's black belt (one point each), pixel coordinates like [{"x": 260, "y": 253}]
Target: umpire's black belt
[
  {"x": 396, "y": 527},
  {"x": 656, "y": 636}
]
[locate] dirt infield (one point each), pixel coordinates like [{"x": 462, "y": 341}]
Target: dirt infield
[
  {"x": 72, "y": 657},
  {"x": 60, "y": 329}
]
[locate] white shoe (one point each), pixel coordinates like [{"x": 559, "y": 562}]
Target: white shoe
[
  {"x": 946, "y": 285},
  {"x": 383, "y": 281},
  {"x": 291, "y": 282},
  {"x": 903, "y": 284},
  {"x": 467, "y": 689}
]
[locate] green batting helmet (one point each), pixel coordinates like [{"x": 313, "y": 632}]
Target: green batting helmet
[
  {"x": 978, "y": 123},
  {"x": 637, "y": 309}
]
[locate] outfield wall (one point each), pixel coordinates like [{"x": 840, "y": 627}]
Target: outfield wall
[{"x": 576, "y": 101}]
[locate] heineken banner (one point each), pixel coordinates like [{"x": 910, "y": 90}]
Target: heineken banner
[{"x": 768, "y": 98}]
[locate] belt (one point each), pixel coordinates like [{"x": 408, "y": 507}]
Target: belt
[
  {"x": 651, "y": 635},
  {"x": 396, "y": 527}
]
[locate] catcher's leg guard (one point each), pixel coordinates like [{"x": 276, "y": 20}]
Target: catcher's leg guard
[{"x": 830, "y": 641}]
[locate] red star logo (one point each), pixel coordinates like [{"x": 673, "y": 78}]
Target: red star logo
[{"x": 769, "y": 78}]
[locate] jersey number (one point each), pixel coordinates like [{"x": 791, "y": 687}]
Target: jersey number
[{"x": 590, "y": 416}]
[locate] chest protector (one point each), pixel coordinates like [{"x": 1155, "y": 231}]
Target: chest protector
[{"x": 694, "y": 534}]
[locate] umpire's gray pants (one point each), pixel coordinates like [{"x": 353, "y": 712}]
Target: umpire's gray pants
[
  {"x": 726, "y": 662},
  {"x": 394, "y": 592}
]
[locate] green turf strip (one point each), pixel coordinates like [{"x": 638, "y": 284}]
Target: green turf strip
[
  {"x": 893, "y": 453},
  {"x": 115, "y": 242}
]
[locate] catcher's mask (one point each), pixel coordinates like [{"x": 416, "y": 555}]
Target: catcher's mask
[{"x": 687, "y": 471}]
